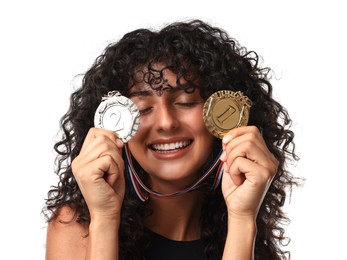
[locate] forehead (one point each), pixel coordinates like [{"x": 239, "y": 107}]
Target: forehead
[
  {"x": 144, "y": 90},
  {"x": 140, "y": 86},
  {"x": 157, "y": 79},
  {"x": 160, "y": 78},
  {"x": 154, "y": 74}
]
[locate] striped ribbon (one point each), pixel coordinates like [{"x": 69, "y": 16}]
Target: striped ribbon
[{"x": 142, "y": 190}]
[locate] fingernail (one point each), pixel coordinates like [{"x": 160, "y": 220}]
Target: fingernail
[
  {"x": 227, "y": 139},
  {"x": 119, "y": 143},
  {"x": 223, "y": 156}
]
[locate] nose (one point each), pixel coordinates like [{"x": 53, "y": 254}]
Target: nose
[{"x": 166, "y": 118}]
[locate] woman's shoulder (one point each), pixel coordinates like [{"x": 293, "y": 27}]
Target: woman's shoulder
[
  {"x": 65, "y": 236},
  {"x": 63, "y": 215},
  {"x": 65, "y": 220}
]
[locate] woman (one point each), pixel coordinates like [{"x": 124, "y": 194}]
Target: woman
[{"x": 160, "y": 196}]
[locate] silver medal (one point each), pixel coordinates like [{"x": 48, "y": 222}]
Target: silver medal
[{"x": 118, "y": 114}]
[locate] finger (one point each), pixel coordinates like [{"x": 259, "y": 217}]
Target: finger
[
  {"x": 113, "y": 173},
  {"x": 249, "y": 150},
  {"x": 97, "y": 169},
  {"x": 233, "y": 138},
  {"x": 237, "y": 177},
  {"x": 235, "y": 132},
  {"x": 112, "y": 169},
  {"x": 100, "y": 181},
  {"x": 248, "y": 136},
  {"x": 99, "y": 147},
  {"x": 245, "y": 170},
  {"x": 113, "y": 159},
  {"x": 248, "y": 142},
  {"x": 94, "y": 132}
]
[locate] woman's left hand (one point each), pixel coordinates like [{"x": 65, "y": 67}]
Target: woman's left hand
[{"x": 249, "y": 168}]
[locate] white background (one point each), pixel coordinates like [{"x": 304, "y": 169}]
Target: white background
[{"x": 44, "y": 44}]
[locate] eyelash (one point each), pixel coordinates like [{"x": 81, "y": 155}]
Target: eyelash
[
  {"x": 183, "y": 104},
  {"x": 144, "y": 111},
  {"x": 187, "y": 104}
]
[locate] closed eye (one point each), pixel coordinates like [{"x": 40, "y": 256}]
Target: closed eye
[
  {"x": 188, "y": 104},
  {"x": 145, "y": 111}
]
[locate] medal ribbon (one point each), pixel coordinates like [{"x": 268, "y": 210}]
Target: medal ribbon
[{"x": 139, "y": 186}]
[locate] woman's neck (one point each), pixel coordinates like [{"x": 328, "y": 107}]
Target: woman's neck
[{"x": 176, "y": 218}]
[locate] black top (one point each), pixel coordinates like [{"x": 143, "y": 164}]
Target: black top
[{"x": 164, "y": 248}]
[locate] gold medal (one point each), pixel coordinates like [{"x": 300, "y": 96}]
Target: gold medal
[{"x": 225, "y": 110}]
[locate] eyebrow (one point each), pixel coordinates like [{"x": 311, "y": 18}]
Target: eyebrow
[{"x": 141, "y": 93}]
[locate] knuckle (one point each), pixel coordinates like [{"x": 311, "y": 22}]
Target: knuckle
[
  {"x": 253, "y": 129},
  {"x": 248, "y": 145},
  {"x": 103, "y": 146},
  {"x": 101, "y": 138},
  {"x": 238, "y": 160},
  {"x": 92, "y": 131},
  {"x": 75, "y": 166},
  {"x": 264, "y": 177},
  {"x": 253, "y": 135},
  {"x": 107, "y": 159}
]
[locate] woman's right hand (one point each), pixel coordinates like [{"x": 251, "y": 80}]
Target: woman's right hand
[{"x": 99, "y": 172}]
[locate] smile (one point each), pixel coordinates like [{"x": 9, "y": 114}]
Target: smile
[{"x": 169, "y": 147}]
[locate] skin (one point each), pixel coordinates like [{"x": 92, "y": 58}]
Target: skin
[{"x": 99, "y": 171}]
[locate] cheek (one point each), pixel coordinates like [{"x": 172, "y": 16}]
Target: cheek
[
  {"x": 196, "y": 122},
  {"x": 141, "y": 133},
  {"x": 201, "y": 132},
  {"x": 202, "y": 126}
]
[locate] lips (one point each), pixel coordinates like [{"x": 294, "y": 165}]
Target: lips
[{"x": 170, "y": 146}]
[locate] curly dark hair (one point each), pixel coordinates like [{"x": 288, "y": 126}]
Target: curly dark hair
[{"x": 208, "y": 59}]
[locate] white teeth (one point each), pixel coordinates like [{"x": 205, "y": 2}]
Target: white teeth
[{"x": 170, "y": 146}]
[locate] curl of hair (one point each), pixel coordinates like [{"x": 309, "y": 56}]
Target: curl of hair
[{"x": 208, "y": 59}]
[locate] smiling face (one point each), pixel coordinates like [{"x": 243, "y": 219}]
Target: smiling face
[{"x": 172, "y": 142}]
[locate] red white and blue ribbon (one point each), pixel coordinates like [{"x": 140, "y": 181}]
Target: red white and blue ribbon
[{"x": 142, "y": 190}]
